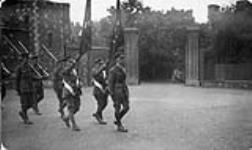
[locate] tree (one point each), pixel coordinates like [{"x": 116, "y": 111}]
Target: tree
[{"x": 233, "y": 36}]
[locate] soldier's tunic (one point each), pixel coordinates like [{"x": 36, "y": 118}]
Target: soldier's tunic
[
  {"x": 100, "y": 88},
  {"x": 71, "y": 90},
  {"x": 25, "y": 86},
  {"x": 119, "y": 90}
]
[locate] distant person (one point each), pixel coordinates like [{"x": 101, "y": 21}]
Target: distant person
[
  {"x": 119, "y": 91},
  {"x": 177, "y": 75},
  {"x": 100, "y": 91}
]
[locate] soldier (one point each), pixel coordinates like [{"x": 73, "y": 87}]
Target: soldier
[
  {"x": 100, "y": 91},
  {"x": 71, "y": 93},
  {"x": 58, "y": 84},
  {"x": 119, "y": 91},
  {"x": 38, "y": 85},
  {"x": 25, "y": 87}
]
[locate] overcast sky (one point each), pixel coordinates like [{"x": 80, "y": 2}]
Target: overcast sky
[{"x": 99, "y": 7}]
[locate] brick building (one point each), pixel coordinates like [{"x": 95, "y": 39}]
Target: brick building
[{"x": 36, "y": 23}]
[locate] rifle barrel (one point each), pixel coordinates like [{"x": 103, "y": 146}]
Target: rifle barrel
[
  {"x": 12, "y": 45},
  {"x": 49, "y": 53},
  {"x": 22, "y": 45}
]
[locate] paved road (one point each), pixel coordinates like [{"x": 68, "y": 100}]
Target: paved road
[{"x": 162, "y": 117}]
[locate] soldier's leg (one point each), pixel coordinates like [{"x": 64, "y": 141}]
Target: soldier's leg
[
  {"x": 62, "y": 105},
  {"x": 25, "y": 100},
  {"x": 37, "y": 95},
  {"x": 117, "y": 107},
  {"x": 119, "y": 113},
  {"x": 104, "y": 103},
  {"x": 40, "y": 94},
  {"x": 125, "y": 109},
  {"x": 73, "y": 109},
  {"x": 125, "y": 105},
  {"x": 99, "y": 98},
  {"x": 39, "y": 99}
]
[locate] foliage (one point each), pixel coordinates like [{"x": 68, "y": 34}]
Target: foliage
[
  {"x": 233, "y": 38},
  {"x": 162, "y": 36}
]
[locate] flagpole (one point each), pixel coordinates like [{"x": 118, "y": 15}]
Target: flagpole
[{"x": 86, "y": 40}]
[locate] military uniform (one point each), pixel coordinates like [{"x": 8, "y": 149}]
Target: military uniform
[
  {"x": 71, "y": 94},
  {"x": 39, "y": 89},
  {"x": 71, "y": 97},
  {"x": 58, "y": 85},
  {"x": 119, "y": 93},
  {"x": 25, "y": 88},
  {"x": 100, "y": 91}
]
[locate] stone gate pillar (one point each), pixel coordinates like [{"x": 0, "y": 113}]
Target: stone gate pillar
[
  {"x": 192, "y": 66},
  {"x": 132, "y": 55}
]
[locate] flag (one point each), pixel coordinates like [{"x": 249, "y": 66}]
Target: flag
[
  {"x": 86, "y": 39},
  {"x": 117, "y": 42}
]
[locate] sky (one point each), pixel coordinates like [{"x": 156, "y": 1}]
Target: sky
[{"x": 99, "y": 7}]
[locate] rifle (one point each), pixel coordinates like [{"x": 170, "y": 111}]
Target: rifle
[
  {"x": 49, "y": 53},
  {"x": 40, "y": 67},
  {"x": 13, "y": 47},
  {"x": 5, "y": 68}
]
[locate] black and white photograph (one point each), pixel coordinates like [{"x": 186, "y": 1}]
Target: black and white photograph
[{"x": 126, "y": 74}]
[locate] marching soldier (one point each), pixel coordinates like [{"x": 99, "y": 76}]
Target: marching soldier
[
  {"x": 71, "y": 93},
  {"x": 58, "y": 84},
  {"x": 100, "y": 91},
  {"x": 38, "y": 85},
  {"x": 25, "y": 87},
  {"x": 119, "y": 91}
]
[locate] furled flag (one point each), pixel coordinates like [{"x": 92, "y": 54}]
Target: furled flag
[
  {"x": 117, "y": 43},
  {"x": 86, "y": 39}
]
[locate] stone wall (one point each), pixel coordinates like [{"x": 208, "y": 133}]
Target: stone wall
[
  {"x": 50, "y": 26},
  {"x": 233, "y": 72}
]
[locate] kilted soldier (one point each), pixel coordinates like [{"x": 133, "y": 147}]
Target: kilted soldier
[
  {"x": 38, "y": 85},
  {"x": 100, "y": 91},
  {"x": 25, "y": 87},
  {"x": 58, "y": 84},
  {"x": 71, "y": 93},
  {"x": 119, "y": 91}
]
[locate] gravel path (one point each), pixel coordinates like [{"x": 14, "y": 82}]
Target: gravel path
[{"x": 162, "y": 117}]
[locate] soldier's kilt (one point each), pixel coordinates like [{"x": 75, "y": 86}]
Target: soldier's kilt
[
  {"x": 72, "y": 101},
  {"x": 121, "y": 95},
  {"x": 100, "y": 95},
  {"x": 27, "y": 100}
]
